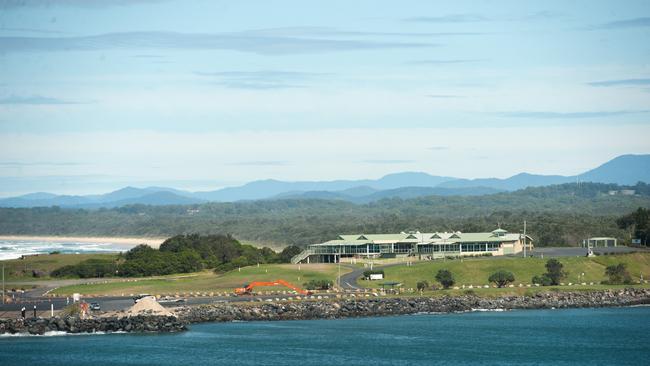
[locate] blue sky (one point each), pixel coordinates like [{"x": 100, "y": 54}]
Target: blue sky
[{"x": 95, "y": 95}]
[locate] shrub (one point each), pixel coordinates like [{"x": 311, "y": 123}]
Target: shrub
[
  {"x": 502, "y": 278},
  {"x": 445, "y": 278},
  {"x": 618, "y": 275},
  {"x": 90, "y": 268},
  {"x": 554, "y": 271},
  {"x": 318, "y": 285},
  {"x": 422, "y": 285},
  {"x": 542, "y": 280}
]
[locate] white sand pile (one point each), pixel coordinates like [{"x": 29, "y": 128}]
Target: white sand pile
[{"x": 148, "y": 306}]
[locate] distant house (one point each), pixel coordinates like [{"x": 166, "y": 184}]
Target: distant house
[
  {"x": 623, "y": 192},
  {"x": 423, "y": 245}
]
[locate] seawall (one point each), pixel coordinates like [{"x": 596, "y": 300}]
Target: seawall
[
  {"x": 139, "y": 323},
  {"x": 348, "y": 308}
]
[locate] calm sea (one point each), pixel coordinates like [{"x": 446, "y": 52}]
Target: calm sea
[
  {"x": 535, "y": 337},
  {"x": 11, "y": 249}
]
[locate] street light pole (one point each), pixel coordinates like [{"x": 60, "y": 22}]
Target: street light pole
[
  {"x": 3, "y": 283},
  {"x": 524, "y": 238}
]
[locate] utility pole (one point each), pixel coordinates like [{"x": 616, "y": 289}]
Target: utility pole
[
  {"x": 339, "y": 278},
  {"x": 524, "y": 238},
  {"x": 3, "y": 283}
]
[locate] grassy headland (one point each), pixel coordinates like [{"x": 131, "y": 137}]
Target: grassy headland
[{"x": 475, "y": 271}]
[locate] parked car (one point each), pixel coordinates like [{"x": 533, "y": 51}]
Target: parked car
[{"x": 95, "y": 306}]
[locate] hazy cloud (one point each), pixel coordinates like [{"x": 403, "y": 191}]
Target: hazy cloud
[
  {"x": 264, "y": 79},
  {"x": 35, "y": 100},
  {"x": 474, "y": 18},
  {"x": 562, "y": 115},
  {"x": 31, "y": 30},
  {"x": 12, "y": 4},
  {"x": 445, "y": 62},
  {"x": 261, "y": 163},
  {"x": 38, "y": 163},
  {"x": 148, "y": 56},
  {"x": 242, "y": 42},
  {"x": 438, "y": 148},
  {"x": 621, "y": 82},
  {"x": 388, "y": 161},
  {"x": 450, "y": 18},
  {"x": 334, "y": 32},
  {"x": 444, "y": 96},
  {"x": 623, "y": 24}
]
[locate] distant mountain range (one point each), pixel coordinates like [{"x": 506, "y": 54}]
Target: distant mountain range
[{"x": 623, "y": 170}]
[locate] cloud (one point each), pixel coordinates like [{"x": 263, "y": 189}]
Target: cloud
[
  {"x": 31, "y": 30},
  {"x": 475, "y": 18},
  {"x": 445, "y": 62},
  {"x": 623, "y": 24},
  {"x": 261, "y": 163},
  {"x": 38, "y": 163},
  {"x": 148, "y": 56},
  {"x": 16, "y": 4},
  {"x": 380, "y": 161},
  {"x": 35, "y": 100},
  {"x": 444, "y": 96},
  {"x": 450, "y": 18},
  {"x": 334, "y": 32},
  {"x": 621, "y": 82},
  {"x": 261, "y": 80},
  {"x": 241, "y": 42},
  {"x": 564, "y": 115},
  {"x": 438, "y": 148}
]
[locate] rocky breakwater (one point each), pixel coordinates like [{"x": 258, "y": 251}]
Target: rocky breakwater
[
  {"x": 139, "y": 323},
  {"x": 350, "y": 307}
]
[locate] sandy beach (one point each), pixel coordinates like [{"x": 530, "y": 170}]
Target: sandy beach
[{"x": 118, "y": 241}]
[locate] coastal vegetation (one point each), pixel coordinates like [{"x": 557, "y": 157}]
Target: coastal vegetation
[
  {"x": 559, "y": 215},
  {"x": 179, "y": 254},
  {"x": 502, "y": 278},
  {"x": 39, "y": 267},
  {"x": 618, "y": 275},
  {"x": 638, "y": 224},
  {"x": 445, "y": 277}
]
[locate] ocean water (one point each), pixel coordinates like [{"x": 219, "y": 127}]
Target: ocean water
[
  {"x": 11, "y": 249},
  {"x": 615, "y": 336}
]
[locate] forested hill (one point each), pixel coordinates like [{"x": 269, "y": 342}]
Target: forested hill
[{"x": 557, "y": 215}]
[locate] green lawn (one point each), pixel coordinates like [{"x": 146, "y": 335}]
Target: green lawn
[
  {"x": 207, "y": 281},
  {"x": 21, "y": 269},
  {"x": 475, "y": 271}
]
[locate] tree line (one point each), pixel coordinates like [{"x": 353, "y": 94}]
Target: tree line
[
  {"x": 179, "y": 254},
  {"x": 559, "y": 215}
]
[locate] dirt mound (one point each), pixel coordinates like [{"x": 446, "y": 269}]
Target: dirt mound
[{"x": 148, "y": 306}]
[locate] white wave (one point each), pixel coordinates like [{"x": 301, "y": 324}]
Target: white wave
[
  {"x": 489, "y": 310},
  {"x": 12, "y": 249},
  {"x": 57, "y": 333}
]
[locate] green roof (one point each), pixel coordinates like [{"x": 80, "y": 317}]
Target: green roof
[{"x": 424, "y": 238}]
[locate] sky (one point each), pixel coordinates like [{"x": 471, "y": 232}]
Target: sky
[{"x": 96, "y": 95}]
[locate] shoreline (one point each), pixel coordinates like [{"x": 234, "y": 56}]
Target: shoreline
[
  {"x": 335, "y": 308},
  {"x": 126, "y": 242},
  {"x": 338, "y": 308}
]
